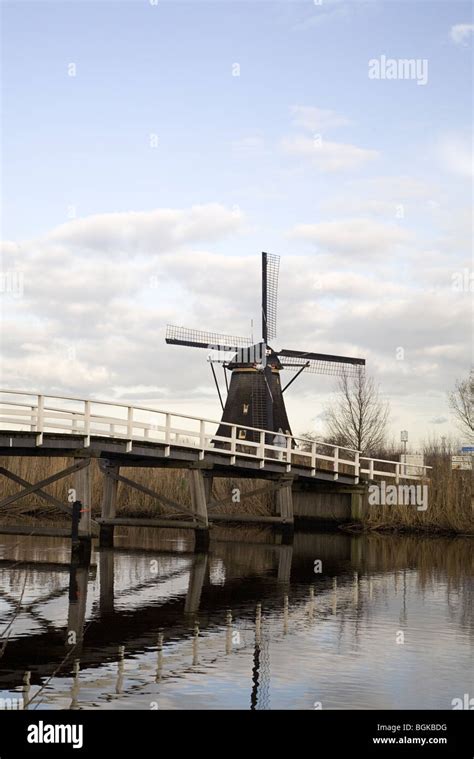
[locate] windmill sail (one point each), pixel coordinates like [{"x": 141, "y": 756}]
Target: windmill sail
[
  {"x": 270, "y": 271},
  {"x": 196, "y": 338},
  {"x": 320, "y": 363}
]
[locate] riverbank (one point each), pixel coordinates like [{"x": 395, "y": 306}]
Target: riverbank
[{"x": 449, "y": 508}]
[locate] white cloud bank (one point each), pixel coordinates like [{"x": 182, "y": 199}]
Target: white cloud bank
[{"x": 99, "y": 291}]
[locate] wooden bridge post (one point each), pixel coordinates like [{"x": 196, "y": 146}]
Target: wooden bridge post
[
  {"x": 109, "y": 501},
  {"x": 357, "y": 506},
  {"x": 284, "y": 506},
  {"x": 199, "y": 507},
  {"x": 81, "y": 545},
  {"x": 208, "y": 482},
  {"x": 82, "y": 486}
]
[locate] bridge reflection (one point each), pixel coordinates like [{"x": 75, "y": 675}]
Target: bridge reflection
[{"x": 135, "y": 601}]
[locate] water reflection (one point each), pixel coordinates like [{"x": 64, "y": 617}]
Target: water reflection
[{"x": 386, "y": 623}]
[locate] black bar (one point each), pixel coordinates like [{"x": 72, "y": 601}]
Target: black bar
[{"x": 364, "y": 733}]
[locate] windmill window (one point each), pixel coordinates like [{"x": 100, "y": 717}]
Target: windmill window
[
  {"x": 242, "y": 434},
  {"x": 245, "y": 408}
]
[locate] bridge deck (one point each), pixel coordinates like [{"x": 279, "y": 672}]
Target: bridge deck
[{"x": 149, "y": 454}]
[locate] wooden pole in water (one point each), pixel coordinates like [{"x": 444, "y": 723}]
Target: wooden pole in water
[
  {"x": 311, "y": 603},
  {"x": 80, "y": 544},
  {"x": 285, "y": 615},
  {"x": 228, "y": 639},
  {"x": 356, "y": 588},
  {"x": 26, "y": 688},
  {"x": 334, "y": 600},
  {"x": 159, "y": 664},
  {"x": 75, "y": 687},
  {"x": 107, "y": 577},
  {"x": 120, "y": 669},
  {"x": 196, "y": 645},
  {"x": 258, "y": 623}
]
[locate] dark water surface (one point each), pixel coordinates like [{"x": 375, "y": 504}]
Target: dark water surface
[{"x": 388, "y": 623}]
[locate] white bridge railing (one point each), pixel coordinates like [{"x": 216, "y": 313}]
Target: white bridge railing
[{"x": 31, "y": 412}]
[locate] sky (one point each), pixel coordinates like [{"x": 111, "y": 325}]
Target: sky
[{"x": 151, "y": 150}]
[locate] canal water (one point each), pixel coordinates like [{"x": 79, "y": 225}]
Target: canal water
[{"x": 333, "y": 621}]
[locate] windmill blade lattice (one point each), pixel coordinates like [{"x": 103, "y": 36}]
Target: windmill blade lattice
[
  {"x": 196, "y": 338},
  {"x": 321, "y": 363},
  {"x": 270, "y": 271}
]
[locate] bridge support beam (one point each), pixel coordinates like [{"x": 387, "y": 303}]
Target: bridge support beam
[
  {"x": 197, "y": 489},
  {"x": 109, "y": 501},
  {"x": 358, "y": 507}
]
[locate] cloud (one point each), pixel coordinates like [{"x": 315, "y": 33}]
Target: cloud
[
  {"x": 439, "y": 420},
  {"x": 328, "y": 156},
  {"x": 455, "y": 154},
  {"x": 316, "y": 119},
  {"x": 362, "y": 237},
  {"x": 94, "y": 325},
  {"x": 98, "y": 293},
  {"x": 148, "y": 231},
  {"x": 461, "y": 33}
]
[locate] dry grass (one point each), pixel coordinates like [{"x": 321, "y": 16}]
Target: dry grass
[
  {"x": 449, "y": 495},
  {"x": 450, "y": 506},
  {"x": 170, "y": 483}
]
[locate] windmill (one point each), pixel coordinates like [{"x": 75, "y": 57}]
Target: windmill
[{"x": 255, "y": 394}]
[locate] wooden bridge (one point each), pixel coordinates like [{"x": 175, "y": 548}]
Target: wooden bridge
[{"x": 120, "y": 435}]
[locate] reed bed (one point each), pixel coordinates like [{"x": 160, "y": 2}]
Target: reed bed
[
  {"x": 450, "y": 505},
  {"x": 170, "y": 483}
]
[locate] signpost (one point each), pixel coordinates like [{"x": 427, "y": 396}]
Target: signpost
[
  {"x": 404, "y": 440},
  {"x": 413, "y": 463},
  {"x": 462, "y": 462}
]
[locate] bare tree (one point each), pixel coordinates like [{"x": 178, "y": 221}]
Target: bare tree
[
  {"x": 358, "y": 417},
  {"x": 461, "y": 401}
]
